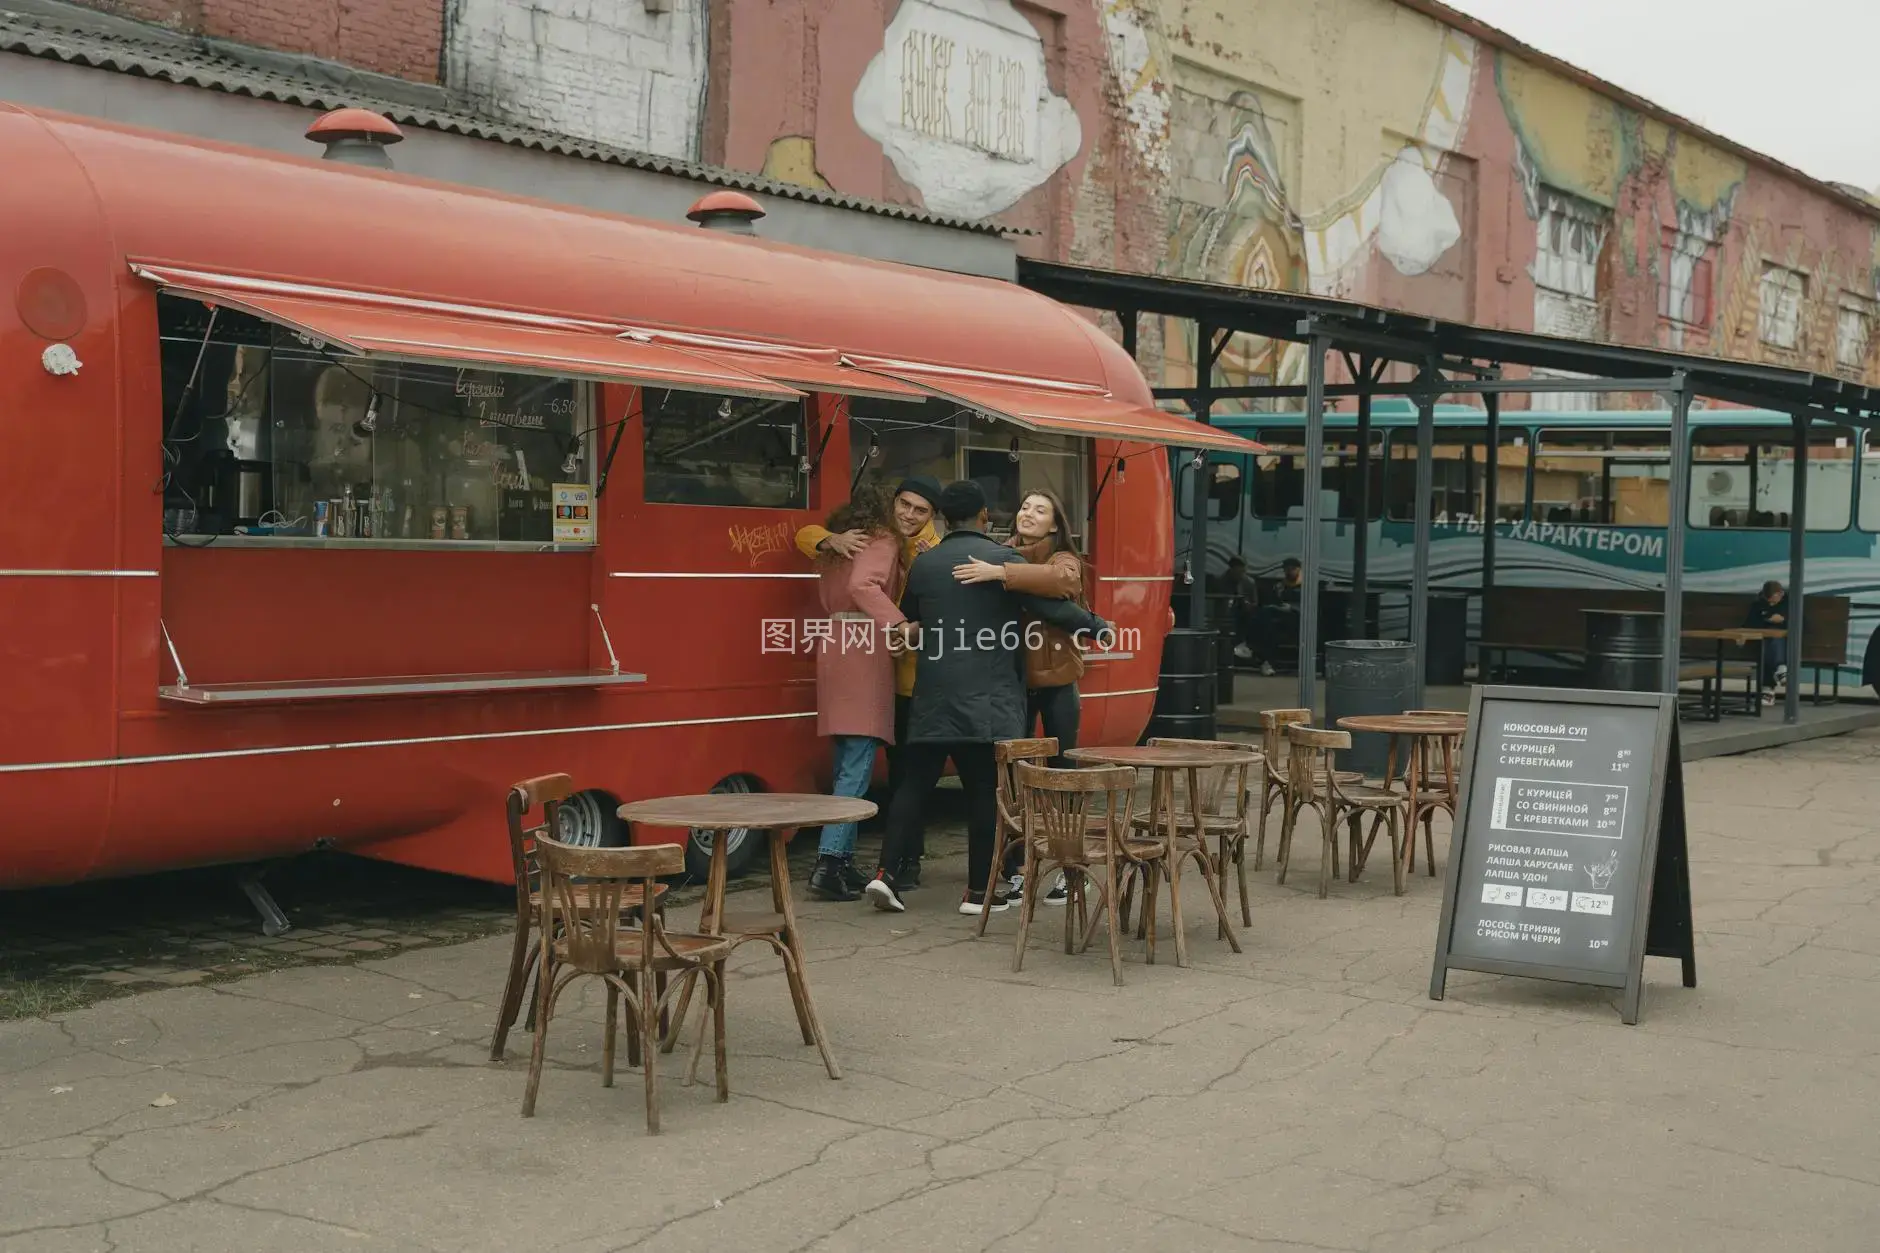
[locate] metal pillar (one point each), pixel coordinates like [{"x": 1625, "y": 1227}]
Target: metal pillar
[
  {"x": 1129, "y": 318},
  {"x": 1311, "y": 538},
  {"x": 1357, "y": 622},
  {"x": 1798, "y": 550},
  {"x": 1491, "y": 491},
  {"x": 1420, "y": 554},
  {"x": 1199, "y": 486},
  {"x": 1675, "y": 526}
]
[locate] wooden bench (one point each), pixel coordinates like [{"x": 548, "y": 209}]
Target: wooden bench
[{"x": 1547, "y": 621}]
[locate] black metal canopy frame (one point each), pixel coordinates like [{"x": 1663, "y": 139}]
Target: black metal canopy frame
[{"x": 1450, "y": 358}]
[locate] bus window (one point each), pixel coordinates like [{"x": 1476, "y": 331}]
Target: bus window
[
  {"x": 1744, "y": 477},
  {"x": 1279, "y": 474},
  {"x": 1224, "y": 492},
  {"x": 1458, "y": 474},
  {"x": 1869, "y": 483},
  {"x": 1602, "y": 478}
]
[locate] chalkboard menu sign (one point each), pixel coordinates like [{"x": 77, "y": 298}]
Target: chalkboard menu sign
[{"x": 1568, "y": 857}]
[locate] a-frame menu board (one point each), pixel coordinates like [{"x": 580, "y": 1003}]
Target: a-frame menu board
[{"x": 1568, "y": 858}]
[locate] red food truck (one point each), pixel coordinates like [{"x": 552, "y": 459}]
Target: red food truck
[{"x": 338, "y": 499}]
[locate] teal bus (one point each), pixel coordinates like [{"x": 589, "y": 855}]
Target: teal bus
[{"x": 1582, "y": 498}]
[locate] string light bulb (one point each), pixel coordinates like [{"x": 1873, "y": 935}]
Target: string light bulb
[
  {"x": 370, "y": 422},
  {"x": 571, "y": 464},
  {"x": 1014, "y": 453},
  {"x": 724, "y": 407},
  {"x": 874, "y": 448},
  {"x": 1119, "y": 471}
]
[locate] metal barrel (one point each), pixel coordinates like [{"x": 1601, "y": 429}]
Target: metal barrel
[
  {"x": 1625, "y": 650},
  {"x": 1185, "y": 691},
  {"x": 1368, "y": 677}
]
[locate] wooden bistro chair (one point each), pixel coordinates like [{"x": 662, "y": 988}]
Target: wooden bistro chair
[
  {"x": 1438, "y": 790},
  {"x": 583, "y": 936},
  {"x": 1225, "y": 810},
  {"x": 545, "y": 793},
  {"x": 1006, "y": 754},
  {"x": 1057, "y": 809},
  {"x": 1276, "y": 778},
  {"x": 1316, "y": 784}
]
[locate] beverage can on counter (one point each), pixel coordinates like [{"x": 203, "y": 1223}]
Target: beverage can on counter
[
  {"x": 437, "y": 523},
  {"x": 336, "y": 512},
  {"x": 460, "y": 522},
  {"x": 319, "y": 517}
]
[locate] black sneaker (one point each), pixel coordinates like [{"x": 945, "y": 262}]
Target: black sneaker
[
  {"x": 881, "y": 894},
  {"x": 907, "y": 878},
  {"x": 854, "y": 879},
  {"x": 828, "y": 883},
  {"x": 974, "y": 903},
  {"x": 1057, "y": 895}
]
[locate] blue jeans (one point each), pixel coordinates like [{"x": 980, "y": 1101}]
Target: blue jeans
[
  {"x": 854, "y": 766},
  {"x": 1774, "y": 653}
]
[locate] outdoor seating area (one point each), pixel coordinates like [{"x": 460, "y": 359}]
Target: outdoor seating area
[{"x": 1124, "y": 826}]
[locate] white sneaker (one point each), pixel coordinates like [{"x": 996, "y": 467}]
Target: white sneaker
[
  {"x": 1243, "y": 653},
  {"x": 1266, "y": 669}
]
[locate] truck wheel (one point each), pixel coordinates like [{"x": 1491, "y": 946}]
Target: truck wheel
[
  {"x": 588, "y": 820},
  {"x": 741, "y": 844}
]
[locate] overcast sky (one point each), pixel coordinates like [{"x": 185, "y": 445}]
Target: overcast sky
[{"x": 1793, "y": 79}]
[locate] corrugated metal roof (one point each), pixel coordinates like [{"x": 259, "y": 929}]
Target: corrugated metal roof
[{"x": 203, "y": 63}]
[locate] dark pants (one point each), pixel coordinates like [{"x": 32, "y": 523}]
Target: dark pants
[
  {"x": 897, "y": 767},
  {"x": 1058, "y": 708},
  {"x": 923, "y": 764},
  {"x": 1774, "y": 653},
  {"x": 1273, "y": 625}
]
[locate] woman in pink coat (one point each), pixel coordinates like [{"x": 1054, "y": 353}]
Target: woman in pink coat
[{"x": 855, "y": 671}]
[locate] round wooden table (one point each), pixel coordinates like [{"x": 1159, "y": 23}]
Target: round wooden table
[
  {"x": 1166, "y": 763},
  {"x": 1419, "y": 729},
  {"x": 779, "y": 815}
]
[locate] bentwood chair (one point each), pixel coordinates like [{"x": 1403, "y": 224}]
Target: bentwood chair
[
  {"x": 1225, "y": 794},
  {"x": 546, "y": 793},
  {"x": 1438, "y": 790},
  {"x": 1315, "y": 783},
  {"x": 1057, "y": 814},
  {"x": 1276, "y": 778},
  {"x": 584, "y": 894},
  {"x": 1006, "y": 754}
]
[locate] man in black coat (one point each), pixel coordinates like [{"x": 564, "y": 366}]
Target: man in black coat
[{"x": 969, "y": 689}]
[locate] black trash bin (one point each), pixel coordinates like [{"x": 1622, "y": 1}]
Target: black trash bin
[
  {"x": 1368, "y": 677},
  {"x": 1625, "y": 650},
  {"x": 1184, "y": 696}
]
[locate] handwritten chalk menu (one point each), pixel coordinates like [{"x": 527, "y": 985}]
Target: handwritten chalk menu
[{"x": 1568, "y": 858}]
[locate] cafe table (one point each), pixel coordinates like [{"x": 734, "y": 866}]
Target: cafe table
[
  {"x": 1730, "y": 635},
  {"x": 1165, "y": 764},
  {"x": 779, "y": 815},
  {"x": 1418, "y": 733}
]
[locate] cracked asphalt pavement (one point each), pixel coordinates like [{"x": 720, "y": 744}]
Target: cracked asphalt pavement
[{"x": 1304, "y": 1095}]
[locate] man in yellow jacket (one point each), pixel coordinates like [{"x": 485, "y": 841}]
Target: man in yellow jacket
[{"x": 915, "y": 501}]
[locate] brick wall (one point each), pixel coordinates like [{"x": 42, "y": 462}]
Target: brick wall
[
  {"x": 400, "y": 37},
  {"x": 609, "y": 72}
]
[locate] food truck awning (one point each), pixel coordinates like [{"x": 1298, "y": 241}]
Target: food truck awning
[
  {"x": 1069, "y": 409},
  {"x": 365, "y": 324},
  {"x": 811, "y": 368}
]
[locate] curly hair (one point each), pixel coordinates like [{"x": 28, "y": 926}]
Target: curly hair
[{"x": 870, "y": 509}]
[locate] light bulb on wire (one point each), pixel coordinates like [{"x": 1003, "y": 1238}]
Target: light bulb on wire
[
  {"x": 724, "y": 407},
  {"x": 571, "y": 464}
]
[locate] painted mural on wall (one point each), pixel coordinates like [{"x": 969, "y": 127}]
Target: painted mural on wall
[
  {"x": 959, "y": 101},
  {"x": 1449, "y": 177}
]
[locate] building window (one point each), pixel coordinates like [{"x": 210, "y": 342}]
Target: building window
[
  {"x": 1684, "y": 277},
  {"x": 1779, "y": 319},
  {"x": 705, "y": 449},
  {"x": 1571, "y": 233},
  {"x": 267, "y": 434},
  {"x": 1602, "y": 478},
  {"x": 1852, "y": 328}
]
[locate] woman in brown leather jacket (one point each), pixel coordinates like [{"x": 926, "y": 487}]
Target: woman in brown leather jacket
[{"x": 1053, "y": 662}]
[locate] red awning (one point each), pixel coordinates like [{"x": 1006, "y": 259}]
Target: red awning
[
  {"x": 1088, "y": 413},
  {"x": 811, "y": 369},
  {"x": 371, "y": 325}
]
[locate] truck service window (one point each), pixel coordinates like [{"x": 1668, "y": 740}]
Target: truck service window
[
  {"x": 705, "y": 449},
  {"x": 266, "y": 433}
]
